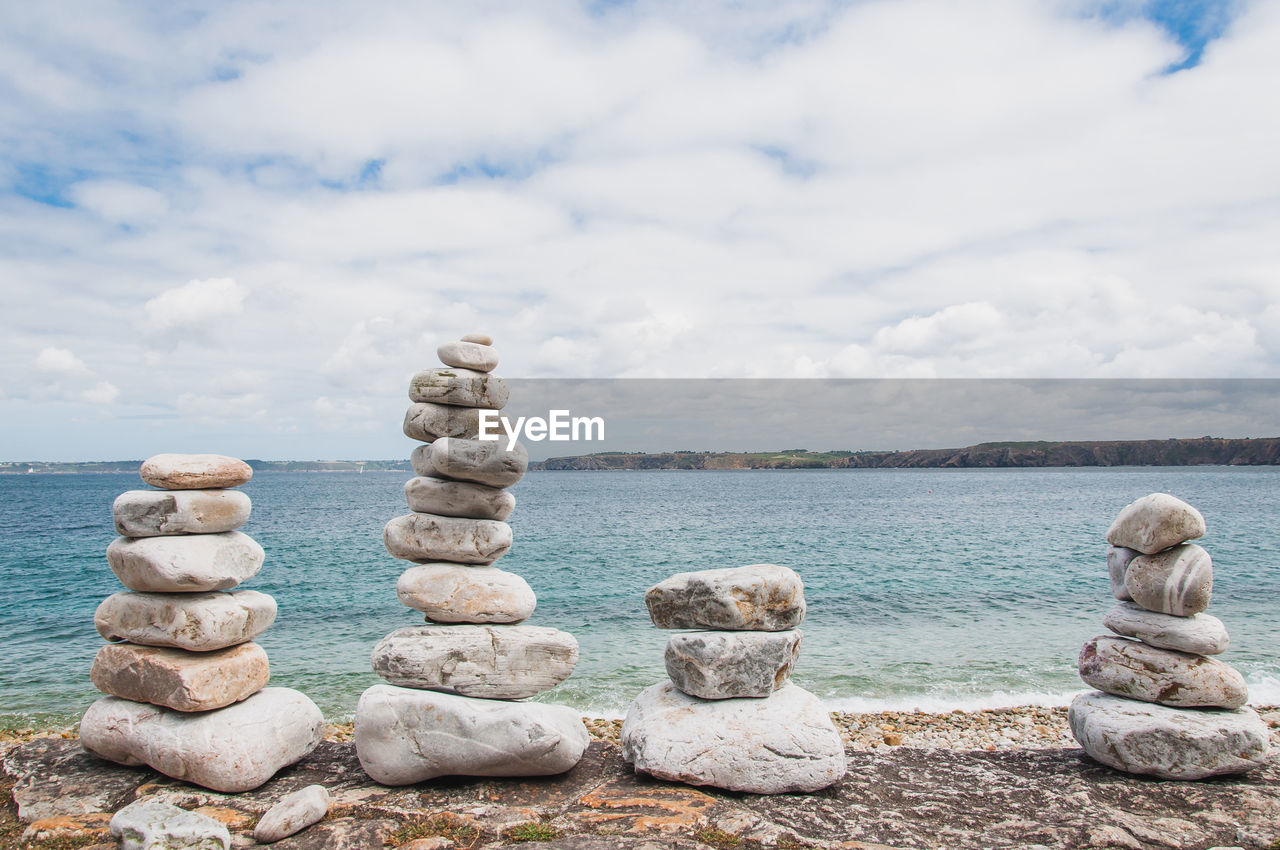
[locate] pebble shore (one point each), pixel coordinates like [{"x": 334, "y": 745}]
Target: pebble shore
[{"x": 1022, "y": 727}]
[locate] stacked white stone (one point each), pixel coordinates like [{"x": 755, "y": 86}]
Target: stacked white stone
[
  {"x": 730, "y": 717},
  {"x": 187, "y": 686},
  {"x": 449, "y": 709},
  {"x": 1163, "y": 706}
]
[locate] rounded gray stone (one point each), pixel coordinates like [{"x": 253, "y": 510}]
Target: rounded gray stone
[
  {"x": 233, "y": 749},
  {"x": 425, "y": 538},
  {"x": 194, "y": 472},
  {"x": 185, "y": 564},
  {"x": 724, "y": 665},
  {"x": 427, "y": 422},
  {"x": 1202, "y": 634},
  {"x": 158, "y": 513},
  {"x": 155, "y": 825},
  {"x": 404, "y": 736},
  {"x": 1170, "y": 743},
  {"x": 760, "y": 597},
  {"x": 1154, "y": 523},
  {"x": 1132, "y": 669},
  {"x": 458, "y": 593},
  {"x": 478, "y": 338},
  {"x": 487, "y": 462},
  {"x": 1118, "y": 560},
  {"x": 468, "y": 355},
  {"x": 491, "y": 662},
  {"x": 1177, "y": 581},
  {"x": 199, "y": 622},
  {"x": 292, "y": 813},
  {"x": 461, "y": 387},
  {"x": 457, "y": 498},
  {"x": 784, "y": 743}
]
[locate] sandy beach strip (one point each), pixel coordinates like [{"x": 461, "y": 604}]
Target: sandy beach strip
[{"x": 1022, "y": 727}]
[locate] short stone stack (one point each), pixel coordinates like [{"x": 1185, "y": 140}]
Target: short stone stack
[
  {"x": 187, "y": 686},
  {"x": 450, "y": 706},
  {"x": 730, "y": 717},
  {"x": 1163, "y": 706}
]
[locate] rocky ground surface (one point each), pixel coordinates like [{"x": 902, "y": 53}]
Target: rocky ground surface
[{"x": 992, "y": 779}]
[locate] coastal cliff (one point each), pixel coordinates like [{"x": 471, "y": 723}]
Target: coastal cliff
[{"x": 1203, "y": 451}]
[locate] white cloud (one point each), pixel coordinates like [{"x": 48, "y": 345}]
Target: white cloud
[
  {"x": 103, "y": 392},
  {"x": 343, "y": 415},
  {"x": 197, "y": 306},
  {"x": 120, "y": 202},
  {"x": 60, "y": 361},
  {"x": 905, "y": 188}
]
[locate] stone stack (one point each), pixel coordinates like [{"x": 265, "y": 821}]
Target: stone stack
[
  {"x": 187, "y": 684},
  {"x": 450, "y": 707},
  {"x": 729, "y": 716},
  {"x": 1163, "y": 706}
]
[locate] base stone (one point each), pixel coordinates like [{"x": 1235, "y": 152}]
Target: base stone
[
  {"x": 783, "y": 743},
  {"x": 1170, "y": 743},
  {"x": 233, "y": 749},
  {"x": 404, "y": 736}
]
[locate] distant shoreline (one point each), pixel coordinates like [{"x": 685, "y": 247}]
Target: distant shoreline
[{"x": 1202, "y": 451}]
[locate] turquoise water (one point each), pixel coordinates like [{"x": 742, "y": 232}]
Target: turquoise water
[{"x": 928, "y": 588}]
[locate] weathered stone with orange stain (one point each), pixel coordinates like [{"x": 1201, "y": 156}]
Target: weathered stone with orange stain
[
  {"x": 624, "y": 807},
  {"x": 231, "y": 818},
  {"x": 69, "y": 826}
]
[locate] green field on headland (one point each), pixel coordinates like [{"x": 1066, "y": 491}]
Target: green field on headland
[{"x": 1201, "y": 451}]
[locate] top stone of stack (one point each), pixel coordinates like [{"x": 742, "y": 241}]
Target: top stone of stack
[
  {"x": 469, "y": 354},
  {"x": 194, "y": 472},
  {"x": 1155, "y": 523},
  {"x": 761, "y": 598}
]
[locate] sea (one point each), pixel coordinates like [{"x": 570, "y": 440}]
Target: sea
[{"x": 926, "y": 589}]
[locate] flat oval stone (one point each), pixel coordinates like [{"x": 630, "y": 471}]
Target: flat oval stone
[
  {"x": 1118, "y": 559},
  {"x": 454, "y": 593},
  {"x": 1154, "y": 523},
  {"x": 478, "y": 338},
  {"x": 1170, "y": 743},
  {"x": 1132, "y": 669},
  {"x": 292, "y": 814},
  {"x": 194, "y": 472},
  {"x": 468, "y": 355},
  {"x": 404, "y": 736},
  {"x": 148, "y": 824},
  {"x": 1203, "y": 634},
  {"x": 491, "y": 662},
  {"x": 458, "y": 498},
  {"x": 156, "y": 513},
  {"x": 185, "y": 564},
  {"x": 761, "y": 746},
  {"x": 428, "y": 422},
  {"x": 233, "y": 749},
  {"x": 462, "y": 387},
  {"x": 1177, "y": 581},
  {"x": 487, "y": 462},
  {"x": 426, "y": 537},
  {"x": 724, "y": 665},
  {"x": 761, "y": 597},
  {"x": 181, "y": 680},
  {"x": 200, "y": 622}
]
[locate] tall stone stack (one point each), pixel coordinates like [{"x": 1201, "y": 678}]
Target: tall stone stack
[
  {"x": 450, "y": 706},
  {"x": 187, "y": 684},
  {"x": 1164, "y": 706},
  {"x": 729, "y": 715}
]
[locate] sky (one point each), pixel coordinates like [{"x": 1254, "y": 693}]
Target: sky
[{"x": 241, "y": 227}]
